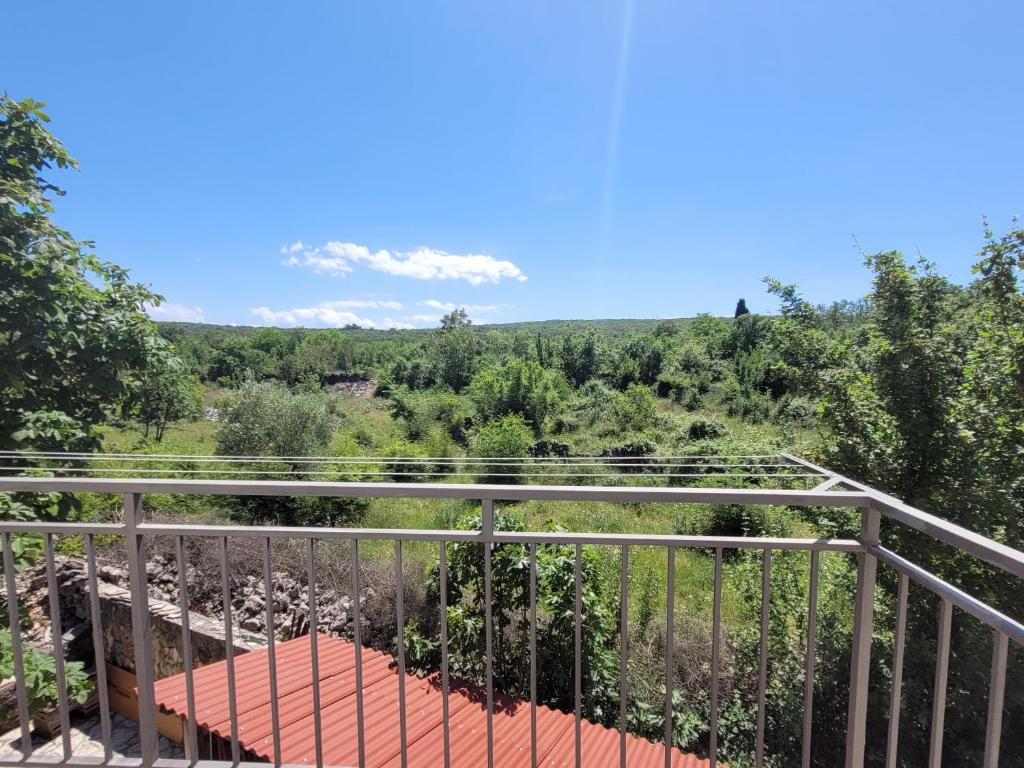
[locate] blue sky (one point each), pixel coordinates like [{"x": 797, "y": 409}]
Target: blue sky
[{"x": 316, "y": 163}]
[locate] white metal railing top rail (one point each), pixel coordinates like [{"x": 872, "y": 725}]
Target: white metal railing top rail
[{"x": 866, "y": 547}]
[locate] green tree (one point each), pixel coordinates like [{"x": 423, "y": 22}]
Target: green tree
[
  {"x": 741, "y": 308},
  {"x": 520, "y": 346},
  {"x": 667, "y": 329},
  {"x": 273, "y": 341},
  {"x": 747, "y": 333},
  {"x": 689, "y": 374},
  {"x": 414, "y": 372},
  {"x": 167, "y": 393},
  {"x": 800, "y": 349},
  {"x": 634, "y": 409},
  {"x": 929, "y": 407},
  {"x": 455, "y": 350},
  {"x": 319, "y": 355},
  {"x": 646, "y": 351},
  {"x": 270, "y": 348},
  {"x": 580, "y": 358},
  {"x": 540, "y": 350},
  {"x": 235, "y": 360},
  {"x": 74, "y": 335},
  {"x": 626, "y": 373},
  {"x": 517, "y": 387},
  {"x": 712, "y": 332}
]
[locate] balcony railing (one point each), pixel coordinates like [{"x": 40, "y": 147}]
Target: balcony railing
[{"x": 831, "y": 490}]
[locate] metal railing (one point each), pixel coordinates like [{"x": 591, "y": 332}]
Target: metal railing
[{"x": 832, "y": 491}]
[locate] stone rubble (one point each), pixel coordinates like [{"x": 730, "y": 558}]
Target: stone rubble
[
  {"x": 351, "y": 385},
  {"x": 248, "y": 599}
]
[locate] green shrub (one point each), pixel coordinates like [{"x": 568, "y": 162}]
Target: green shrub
[
  {"x": 755, "y": 407},
  {"x": 707, "y": 429},
  {"x": 402, "y": 471},
  {"x": 798, "y": 411},
  {"x": 438, "y": 444},
  {"x": 626, "y": 373},
  {"x": 642, "y": 355},
  {"x": 508, "y": 437},
  {"x": 26, "y": 548},
  {"x": 297, "y": 510},
  {"x": 689, "y": 375},
  {"x": 549, "y": 448},
  {"x": 585, "y": 408},
  {"x": 685, "y": 390},
  {"x": 267, "y": 419},
  {"x": 635, "y": 450},
  {"x": 555, "y": 621},
  {"x": 518, "y": 387},
  {"x": 634, "y": 409},
  {"x": 421, "y": 412},
  {"x": 41, "y": 676},
  {"x": 734, "y": 520}
]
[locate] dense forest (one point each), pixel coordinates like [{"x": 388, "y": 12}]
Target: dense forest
[{"x": 916, "y": 389}]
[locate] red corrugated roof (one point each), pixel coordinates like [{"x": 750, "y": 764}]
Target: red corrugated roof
[{"x": 556, "y": 742}]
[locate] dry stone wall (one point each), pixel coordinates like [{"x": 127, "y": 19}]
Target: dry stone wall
[
  {"x": 206, "y": 634},
  {"x": 206, "y": 625}
]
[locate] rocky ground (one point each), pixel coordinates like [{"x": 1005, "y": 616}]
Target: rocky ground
[
  {"x": 249, "y": 600},
  {"x": 248, "y": 597},
  {"x": 356, "y": 386}
]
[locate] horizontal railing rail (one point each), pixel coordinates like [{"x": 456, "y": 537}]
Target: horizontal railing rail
[
  {"x": 979, "y": 610},
  {"x": 413, "y": 534},
  {"x": 464, "y": 491},
  {"x": 1009, "y": 559}
]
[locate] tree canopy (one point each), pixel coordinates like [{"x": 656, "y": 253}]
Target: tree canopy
[
  {"x": 73, "y": 330},
  {"x": 928, "y": 404},
  {"x": 455, "y": 350}
]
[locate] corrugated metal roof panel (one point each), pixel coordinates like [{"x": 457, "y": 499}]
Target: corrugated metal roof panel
[{"x": 556, "y": 742}]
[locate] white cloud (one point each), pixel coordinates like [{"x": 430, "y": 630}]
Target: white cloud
[
  {"x": 168, "y": 310},
  {"x": 330, "y": 314},
  {"x": 337, "y": 259},
  {"x": 447, "y": 306},
  {"x": 365, "y": 304}
]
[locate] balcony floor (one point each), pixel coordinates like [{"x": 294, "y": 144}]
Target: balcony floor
[{"x": 86, "y": 740}]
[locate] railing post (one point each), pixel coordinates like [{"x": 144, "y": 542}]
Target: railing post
[
  {"x": 487, "y": 534},
  {"x": 487, "y": 519},
  {"x": 863, "y": 627},
  {"x": 141, "y": 632}
]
